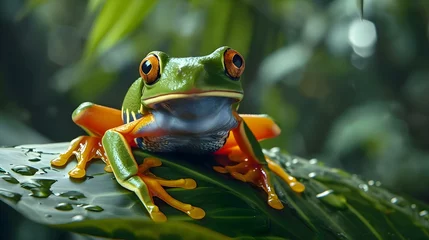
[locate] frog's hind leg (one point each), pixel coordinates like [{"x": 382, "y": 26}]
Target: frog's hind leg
[
  {"x": 95, "y": 120},
  {"x": 245, "y": 160}
]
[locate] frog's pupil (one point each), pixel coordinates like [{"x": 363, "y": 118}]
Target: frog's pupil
[
  {"x": 237, "y": 61},
  {"x": 146, "y": 67}
]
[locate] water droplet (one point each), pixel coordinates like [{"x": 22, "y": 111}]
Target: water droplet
[
  {"x": 9, "y": 179},
  {"x": 363, "y": 36},
  {"x": 11, "y": 196},
  {"x": 36, "y": 159},
  {"x": 371, "y": 182},
  {"x": 40, "y": 188},
  {"x": 325, "y": 193},
  {"x": 413, "y": 206},
  {"x": 313, "y": 161},
  {"x": 364, "y": 187},
  {"x": 423, "y": 213},
  {"x": 312, "y": 175},
  {"x": 295, "y": 161},
  {"x": 29, "y": 185},
  {"x": 275, "y": 150},
  {"x": 77, "y": 218},
  {"x": 25, "y": 170},
  {"x": 64, "y": 206},
  {"x": 394, "y": 200},
  {"x": 378, "y": 183},
  {"x": 327, "y": 197},
  {"x": 93, "y": 208},
  {"x": 72, "y": 195},
  {"x": 40, "y": 192}
]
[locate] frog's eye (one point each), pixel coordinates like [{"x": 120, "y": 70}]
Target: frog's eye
[
  {"x": 234, "y": 64},
  {"x": 149, "y": 69}
]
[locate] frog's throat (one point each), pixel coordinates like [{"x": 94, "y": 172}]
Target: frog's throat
[{"x": 228, "y": 94}]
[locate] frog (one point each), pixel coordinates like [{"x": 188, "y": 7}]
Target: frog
[{"x": 187, "y": 105}]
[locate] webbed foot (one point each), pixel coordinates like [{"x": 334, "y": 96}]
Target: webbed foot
[
  {"x": 85, "y": 148},
  {"x": 247, "y": 170},
  {"x": 154, "y": 186}
]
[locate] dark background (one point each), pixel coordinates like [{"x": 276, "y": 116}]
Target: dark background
[{"x": 352, "y": 93}]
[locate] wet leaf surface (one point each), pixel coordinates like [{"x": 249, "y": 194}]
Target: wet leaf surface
[{"x": 335, "y": 205}]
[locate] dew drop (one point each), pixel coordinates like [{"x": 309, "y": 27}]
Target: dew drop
[
  {"x": 364, "y": 187},
  {"x": 14, "y": 197},
  {"x": 313, "y": 161},
  {"x": 72, "y": 195},
  {"x": 371, "y": 182},
  {"x": 36, "y": 159},
  {"x": 93, "y": 208},
  {"x": 40, "y": 188},
  {"x": 64, "y": 206},
  {"x": 29, "y": 185},
  {"x": 40, "y": 192},
  {"x": 413, "y": 206},
  {"x": 394, "y": 200},
  {"x": 295, "y": 161},
  {"x": 9, "y": 179},
  {"x": 325, "y": 193},
  {"x": 25, "y": 170},
  {"x": 312, "y": 175},
  {"x": 327, "y": 197},
  {"x": 77, "y": 218},
  {"x": 275, "y": 150},
  {"x": 423, "y": 213}
]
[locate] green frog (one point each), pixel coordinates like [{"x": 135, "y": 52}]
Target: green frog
[{"x": 178, "y": 105}]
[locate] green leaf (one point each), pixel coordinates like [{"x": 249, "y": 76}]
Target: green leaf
[
  {"x": 217, "y": 19},
  {"x": 115, "y": 21},
  {"x": 335, "y": 204}
]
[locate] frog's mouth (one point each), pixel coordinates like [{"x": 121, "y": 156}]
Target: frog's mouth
[
  {"x": 196, "y": 106},
  {"x": 237, "y": 96}
]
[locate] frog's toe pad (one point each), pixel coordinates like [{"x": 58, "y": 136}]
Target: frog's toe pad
[
  {"x": 189, "y": 183},
  {"x": 274, "y": 202},
  {"x": 59, "y": 162},
  {"x": 108, "y": 168},
  {"x": 297, "y": 187},
  {"x": 158, "y": 216},
  {"x": 291, "y": 181},
  {"x": 77, "y": 173},
  {"x": 196, "y": 213}
]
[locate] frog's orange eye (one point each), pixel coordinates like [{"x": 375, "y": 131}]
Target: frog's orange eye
[
  {"x": 234, "y": 63},
  {"x": 149, "y": 69}
]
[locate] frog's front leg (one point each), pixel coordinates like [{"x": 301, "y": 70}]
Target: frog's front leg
[
  {"x": 95, "y": 120},
  {"x": 138, "y": 178},
  {"x": 251, "y": 165}
]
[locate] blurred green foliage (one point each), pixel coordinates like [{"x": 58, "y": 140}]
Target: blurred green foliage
[{"x": 353, "y": 93}]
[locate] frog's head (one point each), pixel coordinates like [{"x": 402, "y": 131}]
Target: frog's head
[{"x": 167, "y": 79}]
